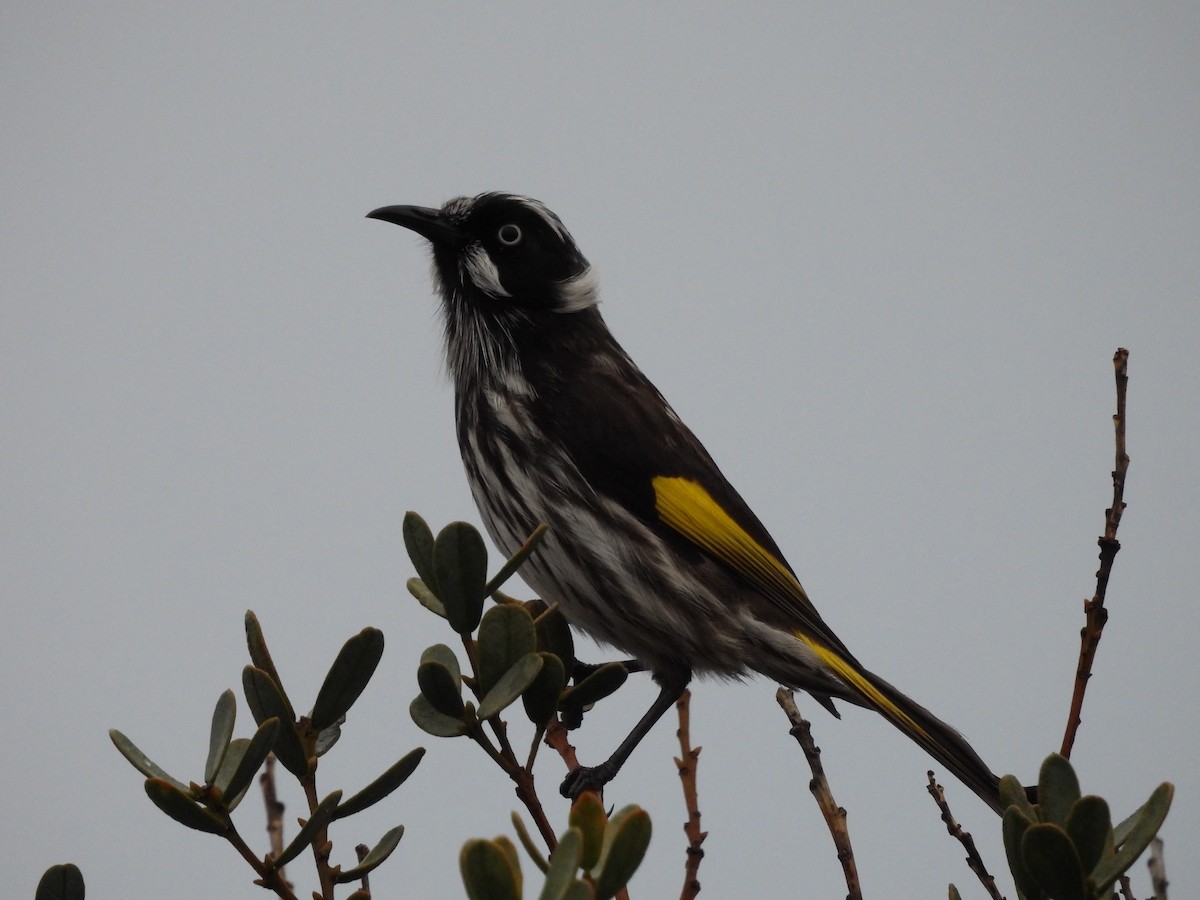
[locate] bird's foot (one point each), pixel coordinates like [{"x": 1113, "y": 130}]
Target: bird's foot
[{"x": 587, "y": 778}]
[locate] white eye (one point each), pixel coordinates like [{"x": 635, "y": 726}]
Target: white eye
[{"x": 509, "y": 235}]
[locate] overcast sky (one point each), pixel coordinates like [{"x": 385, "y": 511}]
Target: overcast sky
[{"x": 879, "y": 258}]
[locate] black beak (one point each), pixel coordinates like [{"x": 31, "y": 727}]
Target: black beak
[{"x": 429, "y": 223}]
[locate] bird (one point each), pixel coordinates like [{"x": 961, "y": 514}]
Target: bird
[{"x": 650, "y": 549}]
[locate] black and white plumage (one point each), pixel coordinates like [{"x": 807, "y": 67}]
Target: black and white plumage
[{"x": 649, "y": 548}]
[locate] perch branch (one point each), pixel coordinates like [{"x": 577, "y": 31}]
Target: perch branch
[
  {"x": 1095, "y": 614},
  {"x": 835, "y": 816},
  {"x": 686, "y": 762},
  {"x": 974, "y": 860}
]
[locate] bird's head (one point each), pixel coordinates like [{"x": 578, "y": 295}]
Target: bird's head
[{"x": 501, "y": 253}]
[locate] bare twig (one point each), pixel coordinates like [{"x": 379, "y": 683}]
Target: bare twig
[
  {"x": 974, "y": 860},
  {"x": 1158, "y": 869},
  {"x": 1126, "y": 887},
  {"x": 835, "y": 816},
  {"x": 1095, "y": 613},
  {"x": 686, "y": 762}
]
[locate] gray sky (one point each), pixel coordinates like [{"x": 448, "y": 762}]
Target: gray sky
[{"x": 879, "y": 259}]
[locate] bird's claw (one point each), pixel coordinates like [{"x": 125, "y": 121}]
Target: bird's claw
[{"x": 587, "y": 778}]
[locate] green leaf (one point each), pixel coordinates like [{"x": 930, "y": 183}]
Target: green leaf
[
  {"x": 433, "y": 722},
  {"x": 510, "y": 686},
  {"x": 487, "y": 872},
  {"x": 580, "y": 890},
  {"x": 252, "y": 759},
  {"x": 1051, "y": 859},
  {"x": 1089, "y": 826},
  {"x": 598, "y": 685},
  {"x": 506, "y": 634},
  {"x": 1012, "y": 793},
  {"x": 233, "y": 758},
  {"x": 541, "y": 697},
  {"x": 554, "y": 635},
  {"x": 460, "y": 569},
  {"x": 444, "y": 655},
  {"x": 348, "y": 676},
  {"x": 440, "y": 687},
  {"x": 141, "y": 761},
  {"x": 395, "y": 776},
  {"x": 418, "y": 541},
  {"x": 1014, "y": 826},
  {"x": 587, "y": 814},
  {"x": 954, "y": 894},
  {"x": 1058, "y": 789},
  {"x": 564, "y": 862},
  {"x": 514, "y": 561},
  {"x": 61, "y": 882},
  {"x": 260, "y": 657},
  {"x": 625, "y": 841},
  {"x": 374, "y": 858},
  {"x": 1135, "y": 836},
  {"x": 183, "y": 809},
  {"x": 266, "y": 701},
  {"x": 320, "y": 817},
  {"x": 425, "y": 596},
  {"x": 528, "y": 843},
  {"x": 510, "y": 851},
  {"x": 220, "y": 734}
]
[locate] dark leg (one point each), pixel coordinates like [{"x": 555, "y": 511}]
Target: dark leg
[{"x": 593, "y": 778}]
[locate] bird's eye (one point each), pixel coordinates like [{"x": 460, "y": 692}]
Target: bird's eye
[{"x": 509, "y": 235}]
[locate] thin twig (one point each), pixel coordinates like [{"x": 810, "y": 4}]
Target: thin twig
[
  {"x": 274, "y": 807},
  {"x": 974, "y": 860},
  {"x": 835, "y": 816},
  {"x": 1095, "y": 613},
  {"x": 1158, "y": 869},
  {"x": 1126, "y": 887},
  {"x": 686, "y": 762}
]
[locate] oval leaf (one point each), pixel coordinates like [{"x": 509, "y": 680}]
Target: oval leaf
[
  {"x": 514, "y": 561},
  {"x": 395, "y": 776},
  {"x": 625, "y": 841},
  {"x": 441, "y": 688},
  {"x": 252, "y": 759},
  {"x": 1051, "y": 860},
  {"x": 1014, "y": 826},
  {"x": 1058, "y": 789},
  {"x": 348, "y": 676},
  {"x": 598, "y": 685},
  {"x": 554, "y": 635},
  {"x": 1136, "y": 833},
  {"x": 1089, "y": 826},
  {"x": 460, "y": 570},
  {"x": 510, "y": 686},
  {"x": 1012, "y": 793},
  {"x": 141, "y": 761},
  {"x": 487, "y": 872},
  {"x": 183, "y": 809},
  {"x": 426, "y": 597},
  {"x": 528, "y": 843},
  {"x": 541, "y": 697},
  {"x": 62, "y": 882},
  {"x": 372, "y": 860},
  {"x": 418, "y": 541},
  {"x": 220, "y": 734},
  {"x": 320, "y": 817},
  {"x": 433, "y": 722},
  {"x": 587, "y": 814},
  {"x": 260, "y": 657},
  {"x": 266, "y": 702},
  {"x": 506, "y": 634},
  {"x": 444, "y": 655},
  {"x": 564, "y": 862}
]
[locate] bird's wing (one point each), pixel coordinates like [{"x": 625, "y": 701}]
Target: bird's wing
[{"x": 628, "y": 443}]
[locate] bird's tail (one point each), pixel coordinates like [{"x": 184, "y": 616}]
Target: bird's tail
[{"x": 937, "y": 738}]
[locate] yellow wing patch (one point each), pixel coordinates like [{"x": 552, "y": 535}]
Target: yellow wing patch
[{"x": 688, "y": 508}]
